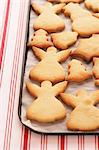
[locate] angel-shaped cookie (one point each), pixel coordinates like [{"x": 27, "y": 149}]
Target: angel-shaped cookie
[
  {"x": 87, "y": 48},
  {"x": 92, "y": 4},
  {"x": 85, "y": 116},
  {"x": 66, "y": 1},
  {"x": 83, "y": 21},
  {"x": 40, "y": 39},
  {"x": 47, "y": 19},
  {"x": 46, "y": 108},
  {"x": 49, "y": 67},
  {"x": 77, "y": 71},
  {"x": 96, "y": 70},
  {"x": 63, "y": 40}
]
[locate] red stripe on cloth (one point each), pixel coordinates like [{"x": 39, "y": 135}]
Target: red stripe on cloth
[
  {"x": 44, "y": 139},
  {"x": 25, "y": 143},
  {"x": 12, "y": 94},
  {"x": 62, "y": 142},
  {"x": 98, "y": 141},
  {"x": 78, "y": 143},
  {"x": 81, "y": 142},
  {"x": 4, "y": 32}
]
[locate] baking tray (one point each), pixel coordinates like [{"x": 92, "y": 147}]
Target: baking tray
[{"x": 29, "y": 60}]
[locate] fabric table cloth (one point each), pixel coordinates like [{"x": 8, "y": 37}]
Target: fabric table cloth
[{"x": 13, "y": 135}]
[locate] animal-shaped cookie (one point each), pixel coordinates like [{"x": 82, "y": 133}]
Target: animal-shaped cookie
[
  {"x": 96, "y": 70},
  {"x": 64, "y": 39},
  {"x": 77, "y": 71},
  {"x": 40, "y": 39},
  {"x": 49, "y": 67},
  {"x": 46, "y": 107},
  {"x": 92, "y": 4},
  {"x": 85, "y": 116},
  {"x": 48, "y": 19},
  {"x": 87, "y": 48},
  {"x": 66, "y": 1},
  {"x": 83, "y": 21}
]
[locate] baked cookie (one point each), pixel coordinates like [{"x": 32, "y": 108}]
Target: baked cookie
[
  {"x": 40, "y": 39},
  {"x": 96, "y": 70},
  {"x": 66, "y": 1},
  {"x": 92, "y": 4},
  {"x": 47, "y": 19},
  {"x": 83, "y": 22},
  {"x": 85, "y": 116},
  {"x": 49, "y": 67},
  {"x": 64, "y": 39},
  {"x": 46, "y": 107},
  {"x": 77, "y": 72},
  {"x": 95, "y": 15},
  {"x": 87, "y": 48}
]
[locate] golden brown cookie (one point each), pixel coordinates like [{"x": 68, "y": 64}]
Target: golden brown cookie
[
  {"x": 64, "y": 39},
  {"x": 85, "y": 116},
  {"x": 96, "y": 70},
  {"x": 77, "y": 72},
  {"x": 95, "y": 15},
  {"x": 87, "y": 48},
  {"x": 66, "y": 1},
  {"x": 49, "y": 67},
  {"x": 46, "y": 107},
  {"x": 92, "y": 4},
  {"x": 83, "y": 22},
  {"x": 40, "y": 39},
  {"x": 48, "y": 19}
]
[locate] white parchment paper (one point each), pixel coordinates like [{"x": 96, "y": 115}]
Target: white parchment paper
[{"x": 60, "y": 126}]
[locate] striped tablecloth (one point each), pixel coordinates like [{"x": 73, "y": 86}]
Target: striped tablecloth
[{"x": 14, "y": 136}]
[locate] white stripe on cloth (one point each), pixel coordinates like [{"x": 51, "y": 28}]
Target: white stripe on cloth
[{"x": 3, "y": 5}]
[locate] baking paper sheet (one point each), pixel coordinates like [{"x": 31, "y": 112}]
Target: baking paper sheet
[{"x": 60, "y": 126}]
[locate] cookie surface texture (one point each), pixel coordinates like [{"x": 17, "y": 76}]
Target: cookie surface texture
[
  {"x": 83, "y": 22},
  {"x": 48, "y": 18},
  {"x": 85, "y": 116},
  {"x": 77, "y": 72},
  {"x": 87, "y": 48},
  {"x": 66, "y": 1},
  {"x": 40, "y": 39},
  {"x": 96, "y": 70},
  {"x": 92, "y": 4},
  {"x": 49, "y": 67},
  {"x": 46, "y": 107},
  {"x": 64, "y": 39}
]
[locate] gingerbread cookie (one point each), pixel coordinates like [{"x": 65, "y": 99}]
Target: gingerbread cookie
[
  {"x": 92, "y": 4},
  {"x": 66, "y": 1},
  {"x": 96, "y": 70},
  {"x": 64, "y": 39},
  {"x": 46, "y": 107},
  {"x": 77, "y": 72},
  {"x": 49, "y": 67},
  {"x": 87, "y": 48},
  {"x": 83, "y": 22},
  {"x": 40, "y": 39},
  {"x": 85, "y": 116},
  {"x": 47, "y": 19}
]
